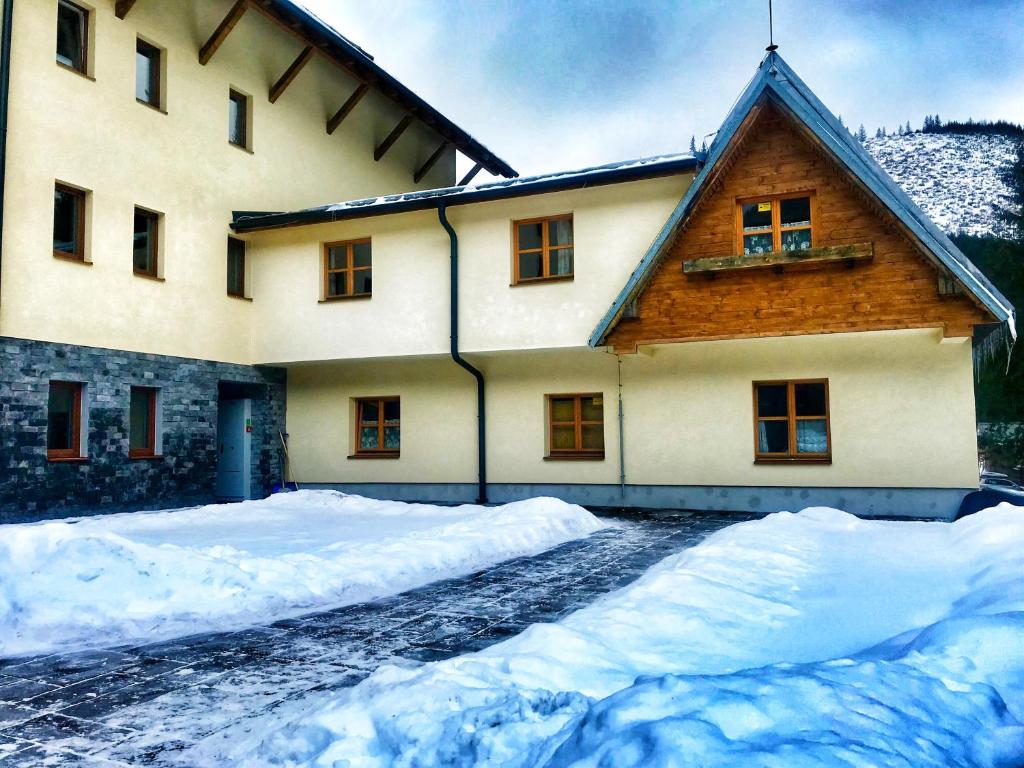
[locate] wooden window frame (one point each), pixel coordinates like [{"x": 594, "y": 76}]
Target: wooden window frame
[
  {"x": 154, "y": 271},
  {"x": 86, "y": 31},
  {"x": 235, "y": 95},
  {"x": 545, "y": 250},
  {"x": 149, "y": 451},
  {"x": 777, "y": 227},
  {"x": 350, "y": 269},
  {"x": 791, "y": 456},
  {"x": 75, "y": 452},
  {"x": 241, "y": 293},
  {"x": 79, "y": 195},
  {"x": 578, "y": 452},
  {"x": 375, "y": 453},
  {"x": 155, "y": 54}
]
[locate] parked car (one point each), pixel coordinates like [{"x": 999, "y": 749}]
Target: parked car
[
  {"x": 995, "y": 488},
  {"x": 998, "y": 480}
]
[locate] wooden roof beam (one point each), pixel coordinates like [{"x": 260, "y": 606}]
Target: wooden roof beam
[
  {"x": 347, "y": 107},
  {"x": 471, "y": 175},
  {"x": 122, "y": 7},
  {"x": 220, "y": 34},
  {"x": 424, "y": 169},
  {"x": 392, "y": 137},
  {"x": 291, "y": 73}
]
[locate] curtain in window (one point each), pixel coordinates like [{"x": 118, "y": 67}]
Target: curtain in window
[{"x": 811, "y": 436}]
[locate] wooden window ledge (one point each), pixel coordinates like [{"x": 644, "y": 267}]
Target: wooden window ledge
[
  {"x": 154, "y": 107},
  {"x": 239, "y": 146},
  {"x": 794, "y": 460},
  {"x": 379, "y": 455},
  {"x": 240, "y": 298},
  {"x": 542, "y": 280},
  {"x": 78, "y": 72},
  {"x": 849, "y": 254},
  {"x": 574, "y": 457},
  {"x": 146, "y": 457},
  {"x": 69, "y": 257},
  {"x": 67, "y": 459},
  {"x": 157, "y": 278},
  {"x": 330, "y": 299}
]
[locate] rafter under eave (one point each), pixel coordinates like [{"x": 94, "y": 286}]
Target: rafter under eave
[
  {"x": 291, "y": 73},
  {"x": 223, "y": 30},
  {"x": 392, "y": 137},
  {"x": 471, "y": 175},
  {"x": 122, "y": 7},
  {"x": 424, "y": 169},
  {"x": 350, "y": 104}
]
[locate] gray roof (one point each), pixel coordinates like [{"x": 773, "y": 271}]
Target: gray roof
[
  {"x": 362, "y": 66},
  {"x": 610, "y": 173},
  {"x": 776, "y": 80}
]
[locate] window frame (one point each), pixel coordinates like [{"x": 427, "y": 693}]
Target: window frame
[
  {"x": 241, "y": 268},
  {"x": 156, "y": 55},
  {"x": 545, "y": 249},
  {"x": 154, "y": 272},
  {"x": 75, "y": 452},
  {"x": 80, "y": 202},
  {"x": 358, "y": 452},
  {"x": 149, "y": 451},
  {"x": 86, "y": 16},
  {"x": 244, "y": 99},
  {"x": 577, "y": 452},
  {"x": 777, "y": 227},
  {"x": 350, "y": 269},
  {"x": 791, "y": 455}
]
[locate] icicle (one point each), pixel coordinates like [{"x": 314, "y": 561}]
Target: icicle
[{"x": 989, "y": 349}]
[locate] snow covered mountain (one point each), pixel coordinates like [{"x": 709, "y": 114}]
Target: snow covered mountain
[{"x": 953, "y": 177}]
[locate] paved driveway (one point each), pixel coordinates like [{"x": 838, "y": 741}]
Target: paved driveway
[{"x": 143, "y": 705}]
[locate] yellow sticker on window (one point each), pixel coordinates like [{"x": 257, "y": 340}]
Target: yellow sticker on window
[
  {"x": 598, "y": 401},
  {"x": 762, "y": 207}
]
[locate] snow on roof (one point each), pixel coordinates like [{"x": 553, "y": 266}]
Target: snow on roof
[
  {"x": 775, "y": 78},
  {"x": 625, "y": 170}
]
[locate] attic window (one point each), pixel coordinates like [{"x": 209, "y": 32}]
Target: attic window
[{"x": 778, "y": 223}]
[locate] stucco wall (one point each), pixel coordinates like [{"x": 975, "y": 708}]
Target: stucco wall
[
  {"x": 92, "y": 133},
  {"x": 408, "y": 312},
  {"x": 901, "y": 414}
]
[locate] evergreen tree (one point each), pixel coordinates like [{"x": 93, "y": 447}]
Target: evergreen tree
[
  {"x": 862, "y": 134},
  {"x": 693, "y": 144},
  {"x": 878, "y": 133},
  {"x": 909, "y": 129},
  {"x": 704, "y": 145},
  {"x": 884, "y": 134},
  {"x": 840, "y": 118}
]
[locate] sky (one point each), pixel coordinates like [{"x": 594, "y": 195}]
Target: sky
[{"x": 560, "y": 84}]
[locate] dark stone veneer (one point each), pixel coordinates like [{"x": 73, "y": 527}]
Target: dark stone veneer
[{"x": 32, "y": 488}]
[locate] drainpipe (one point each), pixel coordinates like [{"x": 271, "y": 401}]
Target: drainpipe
[
  {"x": 5, "y": 87},
  {"x": 454, "y": 304},
  {"x": 622, "y": 439}
]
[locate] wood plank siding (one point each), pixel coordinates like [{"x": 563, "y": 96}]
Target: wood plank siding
[{"x": 898, "y": 288}]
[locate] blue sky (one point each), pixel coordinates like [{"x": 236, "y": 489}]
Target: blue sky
[{"x": 558, "y": 85}]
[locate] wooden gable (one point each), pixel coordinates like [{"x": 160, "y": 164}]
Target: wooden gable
[{"x": 863, "y": 272}]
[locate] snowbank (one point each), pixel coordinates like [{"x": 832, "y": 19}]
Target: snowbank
[
  {"x": 810, "y": 639},
  {"x": 99, "y": 581}
]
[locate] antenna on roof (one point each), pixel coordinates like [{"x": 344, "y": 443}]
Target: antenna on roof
[{"x": 771, "y": 41}]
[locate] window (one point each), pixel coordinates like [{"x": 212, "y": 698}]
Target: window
[
  {"x": 378, "y": 427},
  {"x": 64, "y": 421},
  {"x": 68, "y": 223},
  {"x": 147, "y": 73},
  {"x": 543, "y": 249},
  {"x": 348, "y": 269},
  {"x": 576, "y": 426},
  {"x": 238, "y": 119},
  {"x": 72, "y": 35},
  {"x": 236, "y": 267},
  {"x": 142, "y": 422},
  {"x": 780, "y": 223},
  {"x": 791, "y": 421},
  {"x": 144, "y": 243}
]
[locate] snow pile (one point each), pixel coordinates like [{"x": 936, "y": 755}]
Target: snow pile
[
  {"x": 954, "y": 178},
  {"x": 814, "y": 639},
  {"x": 98, "y": 581}
]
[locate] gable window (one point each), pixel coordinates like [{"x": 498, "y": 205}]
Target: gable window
[
  {"x": 144, "y": 243},
  {"x": 348, "y": 269},
  {"x": 72, "y": 35},
  {"x": 791, "y": 421},
  {"x": 238, "y": 119},
  {"x": 543, "y": 249},
  {"x": 779, "y": 223},
  {"x": 68, "y": 223},
  {"x": 575, "y": 426},
  {"x": 378, "y": 427},
  {"x": 142, "y": 422},
  {"x": 64, "y": 420},
  {"x": 236, "y": 267},
  {"x": 147, "y": 73}
]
